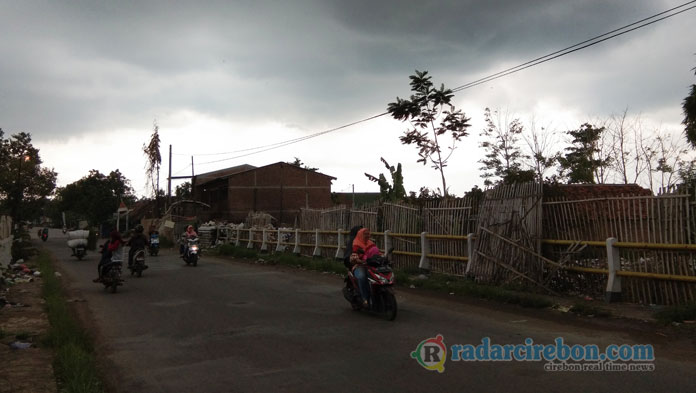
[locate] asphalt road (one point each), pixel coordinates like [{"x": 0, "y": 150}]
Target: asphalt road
[{"x": 228, "y": 326}]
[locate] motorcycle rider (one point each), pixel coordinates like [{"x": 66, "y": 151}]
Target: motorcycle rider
[
  {"x": 188, "y": 234},
  {"x": 115, "y": 241},
  {"x": 363, "y": 248},
  {"x": 137, "y": 242}
]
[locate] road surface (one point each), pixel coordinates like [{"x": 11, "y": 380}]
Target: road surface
[{"x": 231, "y": 326}]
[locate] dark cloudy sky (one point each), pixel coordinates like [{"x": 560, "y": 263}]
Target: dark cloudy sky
[{"x": 88, "y": 78}]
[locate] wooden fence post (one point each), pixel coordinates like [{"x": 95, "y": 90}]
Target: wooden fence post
[
  {"x": 296, "y": 250},
  {"x": 251, "y": 238},
  {"x": 317, "y": 250},
  {"x": 469, "y": 252},
  {"x": 264, "y": 241},
  {"x": 339, "y": 255},
  {"x": 613, "y": 293},
  {"x": 425, "y": 250}
]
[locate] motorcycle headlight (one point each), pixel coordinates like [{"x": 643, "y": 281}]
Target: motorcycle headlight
[{"x": 194, "y": 248}]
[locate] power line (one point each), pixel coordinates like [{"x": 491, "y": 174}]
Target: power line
[
  {"x": 576, "y": 47},
  {"x": 539, "y": 60}
]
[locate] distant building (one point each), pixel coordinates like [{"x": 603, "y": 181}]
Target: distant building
[{"x": 279, "y": 189}]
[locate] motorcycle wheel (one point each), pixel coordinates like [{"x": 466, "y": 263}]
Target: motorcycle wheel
[
  {"x": 79, "y": 257},
  {"x": 195, "y": 260},
  {"x": 140, "y": 273},
  {"x": 389, "y": 303},
  {"x": 114, "y": 288}
]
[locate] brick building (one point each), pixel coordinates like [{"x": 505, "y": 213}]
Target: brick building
[{"x": 279, "y": 189}]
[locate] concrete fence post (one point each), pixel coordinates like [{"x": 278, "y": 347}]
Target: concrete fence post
[
  {"x": 469, "y": 253},
  {"x": 296, "y": 250},
  {"x": 251, "y": 239},
  {"x": 425, "y": 250},
  {"x": 613, "y": 293},
  {"x": 387, "y": 241},
  {"x": 317, "y": 249},
  {"x": 339, "y": 254},
  {"x": 264, "y": 241},
  {"x": 279, "y": 247},
  {"x": 239, "y": 236}
]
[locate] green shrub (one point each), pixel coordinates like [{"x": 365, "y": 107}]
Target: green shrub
[{"x": 679, "y": 314}]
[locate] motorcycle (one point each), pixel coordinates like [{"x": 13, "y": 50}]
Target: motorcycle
[
  {"x": 44, "y": 234},
  {"x": 191, "y": 251},
  {"x": 111, "y": 275},
  {"x": 154, "y": 244},
  {"x": 111, "y": 271},
  {"x": 380, "y": 277},
  {"x": 138, "y": 264}
]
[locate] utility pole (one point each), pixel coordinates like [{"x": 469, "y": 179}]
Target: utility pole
[
  {"x": 169, "y": 181},
  {"x": 353, "y": 202}
]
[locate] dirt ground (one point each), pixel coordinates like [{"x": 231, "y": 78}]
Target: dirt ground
[{"x": 25, "y": 370}]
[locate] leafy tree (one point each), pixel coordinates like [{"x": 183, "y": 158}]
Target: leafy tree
[
  {"x": 95, "y": 197},
  {"x": 154, "y": 161},
  {"x": 689, "y": 108},
  {"x": 298, "y": 163},
  {"x": 432, "y": 116},
  {"x": 580, "y": 162},
  {"x": 183, "y": 191},
  {"x": 503, "y": 154},
  {"x": 24, "y": 184},
  {"x": 390, "y": 192}
]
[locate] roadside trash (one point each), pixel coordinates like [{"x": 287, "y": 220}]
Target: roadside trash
[
  {"x": 422, "y": 277},
  {"x": 451, "y": 293},
  {"x": 58, "y": 274},
  {"x": 20, "y": 345},
  {"x": 412, "y": 286},
  {"x": 37, "y": 274},
  {"x": 588, "y": 298},
  {"x": 563, "y": 308}
]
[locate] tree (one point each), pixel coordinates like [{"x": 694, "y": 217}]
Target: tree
[
  {"x": 581, "y": 163},
  {"x": 298, "y": 163},
  {"x": 24, "y": 184},
  {"x": 154, "y": 161},
  {"x": 183, "y": 191},
  {"x": 430, "y": 112},
  {"x": 95, "y": 197},
  {"x": 689, "y": 108},
  {"x": 539, "y": 145},
  {"x": 390, "y": 192},
  {"x": 503, "y": 157}
]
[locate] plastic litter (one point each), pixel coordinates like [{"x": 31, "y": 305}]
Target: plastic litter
[
  {"x": 37, "y": 274},
  {"x": 20, "y": 345},
  {"x": 58, "y": 274}
]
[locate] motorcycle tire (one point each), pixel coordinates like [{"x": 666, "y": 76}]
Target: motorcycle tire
[
  {"x": 195, "y": 260},
  {"x": 114, "y": 288},
  {"x": 79, "y": 257},
  {"x": 140, "y": 273}
]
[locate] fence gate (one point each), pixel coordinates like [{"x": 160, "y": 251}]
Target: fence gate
[{"x": 508, "y": 236}]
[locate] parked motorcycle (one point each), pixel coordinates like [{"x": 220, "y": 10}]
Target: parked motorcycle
[
  {"x": 381, "y": 280},
  {"x": 154, "y": 244},
  {"x": 138, "y": 264},
  {"x": 191, "y": 252}
]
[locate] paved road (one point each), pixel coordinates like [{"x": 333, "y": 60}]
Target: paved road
[{"x": 234, "y": 327}]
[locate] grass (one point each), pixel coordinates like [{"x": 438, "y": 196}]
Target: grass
[
  {"x": 403, "y": 277},
  {"x": 74, "y": 363},
  {"x": 679, "y": 314}
]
